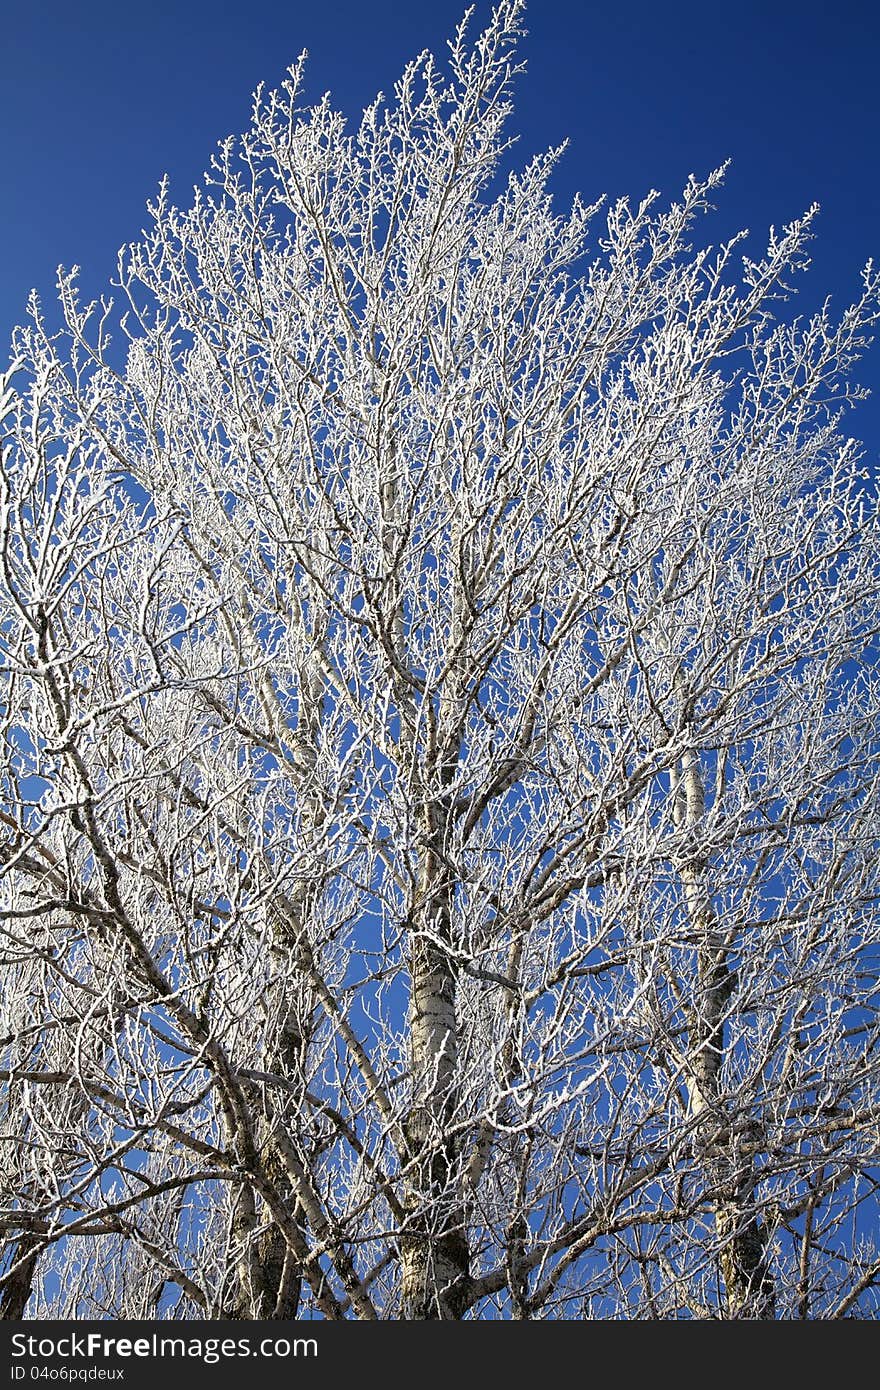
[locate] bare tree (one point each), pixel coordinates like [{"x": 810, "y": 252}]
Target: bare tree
[{"x": 440, "y": 722}]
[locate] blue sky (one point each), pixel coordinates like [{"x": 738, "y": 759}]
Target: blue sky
[{"x": 100, "y": 99}]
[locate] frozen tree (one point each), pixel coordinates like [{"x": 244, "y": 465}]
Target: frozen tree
[{"x": 439, "y": 845}]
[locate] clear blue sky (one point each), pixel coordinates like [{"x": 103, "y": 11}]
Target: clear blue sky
[{"x": 100, "y": 98}]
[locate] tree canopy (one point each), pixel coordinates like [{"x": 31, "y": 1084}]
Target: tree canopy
[{"x": 439, "y": 700}]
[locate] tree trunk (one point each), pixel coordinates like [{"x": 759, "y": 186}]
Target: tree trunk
[
  {"x": 748, "y": 1283},
  {"x": 16, "y": 1289},
  {"x": 433, "y": 1243}
]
